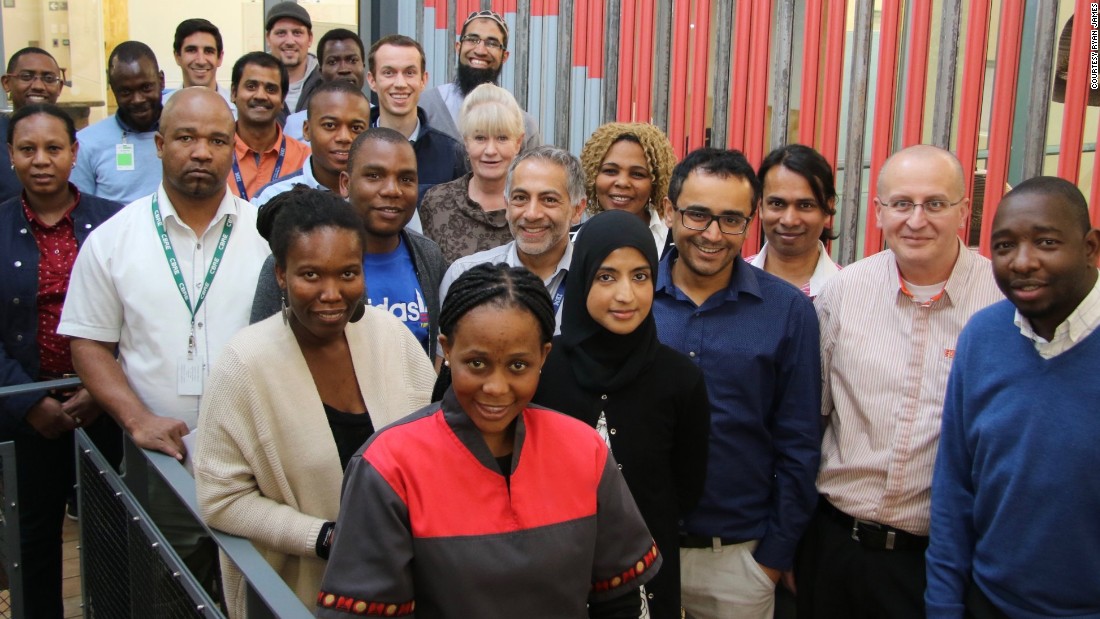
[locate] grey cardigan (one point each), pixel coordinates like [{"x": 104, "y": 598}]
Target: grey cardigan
[{"x": 427, "y": 262}]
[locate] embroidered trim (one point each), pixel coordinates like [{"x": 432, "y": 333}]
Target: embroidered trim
[
  {"x": 364, "y": 607},
  {"x": 639, "y": 568}
]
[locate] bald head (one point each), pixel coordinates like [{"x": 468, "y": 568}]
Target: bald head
[
  {"x": 195, "y": 145},
  {"x": 923, "y": 159},
  {"x": 187, "y": 100}
]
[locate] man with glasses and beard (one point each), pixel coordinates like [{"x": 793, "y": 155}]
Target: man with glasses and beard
[
  {"x": 482, "y": 49},
  {"x": 118, "y": 159}
]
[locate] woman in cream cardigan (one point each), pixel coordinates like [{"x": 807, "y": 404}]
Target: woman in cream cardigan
[{"x": 293, "y": 397}]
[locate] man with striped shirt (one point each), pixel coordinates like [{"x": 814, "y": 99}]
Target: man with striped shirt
[{"x": 889, "y": 324}]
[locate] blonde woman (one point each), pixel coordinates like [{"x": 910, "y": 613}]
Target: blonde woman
[
  {"x": 627, "y": 167},
  {"x": 466, "y": 215}
]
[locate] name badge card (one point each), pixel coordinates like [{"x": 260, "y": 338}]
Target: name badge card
[
  {"x": 124, "y": 157},
  {"x": 189, "y": 374}
]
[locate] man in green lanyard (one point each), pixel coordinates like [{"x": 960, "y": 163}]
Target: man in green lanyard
[{"x": 166, "y": 283}]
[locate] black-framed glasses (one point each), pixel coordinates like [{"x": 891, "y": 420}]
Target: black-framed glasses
[
  {"x": 931, "y": 207},
  {"x": 473, "y": 40},
  {"x": 28, "y": 77},
  {"x": 700, "y": 220}
]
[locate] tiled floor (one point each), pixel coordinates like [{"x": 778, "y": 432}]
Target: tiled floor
[
  {"x": 70, "y": 586},
  {"x": 70, "y": 555}
]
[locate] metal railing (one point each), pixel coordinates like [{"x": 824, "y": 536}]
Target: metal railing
[
  {"x": 128, "y": 569},
  {"x": 11, "y": 573}
]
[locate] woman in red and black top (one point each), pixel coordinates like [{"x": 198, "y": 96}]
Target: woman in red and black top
[{"x": 40, "y": 232}]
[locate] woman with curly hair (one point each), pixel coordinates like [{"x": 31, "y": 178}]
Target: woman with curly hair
[{"x": 627, "y": 167}]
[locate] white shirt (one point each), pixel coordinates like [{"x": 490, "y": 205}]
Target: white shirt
[
  {"x": 287, "y": 182},
  {"x": 123, "y": 291},
  {"x": 824, "y": 270},
  {"x": 1081, "y": 322},
  {"x": 294, "y": 126}
]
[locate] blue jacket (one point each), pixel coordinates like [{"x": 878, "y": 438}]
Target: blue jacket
[
  {"x": 439, "y": 157},
  {"x": 9, "y": 184},
  {"x": 18, "y": 300}
]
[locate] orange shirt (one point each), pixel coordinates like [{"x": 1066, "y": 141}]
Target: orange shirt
[{"x": 258, "y": 169}]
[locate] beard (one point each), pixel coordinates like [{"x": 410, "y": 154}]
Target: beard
[{"x": 468, "y": 78}]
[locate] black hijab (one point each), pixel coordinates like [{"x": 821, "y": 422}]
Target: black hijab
[{"x": 602, "y": 360}]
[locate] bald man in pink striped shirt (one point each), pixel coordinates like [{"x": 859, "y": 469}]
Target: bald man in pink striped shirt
[{"x": 889, "y": 324}]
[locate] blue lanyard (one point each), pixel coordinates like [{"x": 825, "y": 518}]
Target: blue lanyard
[
  {"x": 274, "y": 173},
  {"x": 559, "y": 296}
]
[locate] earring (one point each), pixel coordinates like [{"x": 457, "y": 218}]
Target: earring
[
  {"x": 446, "y": 362},
  {"x": 286, "y": 308},
  {"x": 358, "y": 312}
]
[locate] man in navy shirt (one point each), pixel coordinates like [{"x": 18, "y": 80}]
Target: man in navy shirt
[{"x": 755, "y": 337}]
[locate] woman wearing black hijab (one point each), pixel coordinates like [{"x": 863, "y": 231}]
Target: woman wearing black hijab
[{"x": 649, "y": 402}]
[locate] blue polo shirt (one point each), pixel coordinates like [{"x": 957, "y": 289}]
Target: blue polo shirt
[
  {"x": 757, "y": 345},
  {"x": 97, "y": 171}
]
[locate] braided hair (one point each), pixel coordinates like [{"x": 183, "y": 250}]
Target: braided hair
[{"x": 498, "y": 285}]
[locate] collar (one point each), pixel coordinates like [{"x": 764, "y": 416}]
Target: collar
[
  {"x": 512, "y": 259},
  {"x": 308, "y": 179},
  {"x": 32, "y": 217},
  {"x": 421, "y": 121},
  {"x": 128, "y": 129},
  {"x": 825, "y": 268},
  {"x": 1082, "y": 321},
  {"x": 227, "y": 208},
  {"x": 243, "y": 148},
  {"x": 470, "y": 437},
  {"x": 742, "y": 280},
  {"x": 956, "y": 286}
]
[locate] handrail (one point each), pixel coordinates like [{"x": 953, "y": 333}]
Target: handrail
[{"x": 267, "y": 594}]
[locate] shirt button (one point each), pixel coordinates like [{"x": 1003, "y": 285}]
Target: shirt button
[
  {"x": 603, "y": 397},
  {"x": 22, "y": 231},
  {"x": 649, "y": 595},
  {"x": 611, "y": 431},
  {"x": 198, "y": 325},
  {"x": 87, "y": 226},
  {"x": 692, "y": 354},
  {"x": 18, "y": 263},
  {"x": 620, "y": 467},
  {"x": 198, "y": 245},
  {"x": 15, "y": 301},
  {"x": 19, "y": 338}
]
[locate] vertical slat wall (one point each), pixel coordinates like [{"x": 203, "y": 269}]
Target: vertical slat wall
[
  {"x": 687, "y": 65},
  {"x": 1003, "y": 112},
  {"x": 882, "y": 139}
]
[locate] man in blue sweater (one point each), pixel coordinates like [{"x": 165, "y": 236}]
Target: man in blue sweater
[{"x": 1015, "y": 495}]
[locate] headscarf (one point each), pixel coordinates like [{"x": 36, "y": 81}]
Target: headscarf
[{"x": 602, "y": 360}]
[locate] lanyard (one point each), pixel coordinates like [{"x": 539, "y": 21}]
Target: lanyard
[
  {"x": 559, "y": 295},
  {"x": 173, "y": 264},
  {"x": 274, "y": 173}
]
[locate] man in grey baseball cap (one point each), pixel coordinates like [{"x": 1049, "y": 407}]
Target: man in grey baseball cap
[{"x": 289, "y": 33}]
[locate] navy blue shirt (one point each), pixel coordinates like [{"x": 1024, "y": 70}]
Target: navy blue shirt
[
  {"x": 757, "y": 344},
  {"x": 9, "y": 183}
]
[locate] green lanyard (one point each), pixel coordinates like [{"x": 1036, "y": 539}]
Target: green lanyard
[{"x": 173, "y": 264}]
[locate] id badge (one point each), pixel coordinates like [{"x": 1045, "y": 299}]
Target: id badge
[
  {"x": 124, "y": 157},
  {"x": 189, "y": 376}
]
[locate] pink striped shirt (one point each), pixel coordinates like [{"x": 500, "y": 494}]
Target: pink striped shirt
[{"x": 885, "y": 362}]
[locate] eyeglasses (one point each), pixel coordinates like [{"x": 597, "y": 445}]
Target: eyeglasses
[
  {"x": 473, "y": 40},
  {"x": 28, "y": 77},
  {"x": 701, "y": 220},
  {"x": 931, "y": 207}
]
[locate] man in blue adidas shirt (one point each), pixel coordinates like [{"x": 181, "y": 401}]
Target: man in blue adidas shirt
[{"x": 402, "y": 268}]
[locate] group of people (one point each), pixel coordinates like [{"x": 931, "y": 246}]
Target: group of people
[{"x": 445, "y": 370}]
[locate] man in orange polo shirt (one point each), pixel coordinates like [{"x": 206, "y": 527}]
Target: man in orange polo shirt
[{"x": 262, "y": 153}]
